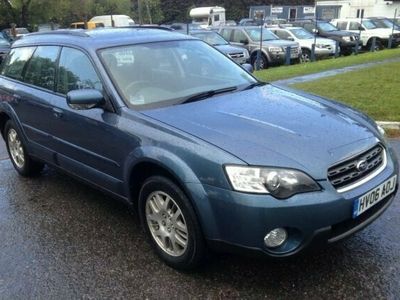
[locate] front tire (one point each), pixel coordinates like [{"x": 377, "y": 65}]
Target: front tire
[
  {"x": 305, "y": 55},
  {"x": 262, "y": 64},
  {"x": 18, "y": 154},
  {"x": 170, "y": 223}
]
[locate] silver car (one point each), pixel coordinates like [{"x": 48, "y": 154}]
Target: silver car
[
  {"x": 323, "y": 47},
  {"x": 273, "y": 49}
]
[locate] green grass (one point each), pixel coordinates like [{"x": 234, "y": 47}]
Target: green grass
[
  {"x": 374, "y": 90},
  {"x": 285, "y": 72}
]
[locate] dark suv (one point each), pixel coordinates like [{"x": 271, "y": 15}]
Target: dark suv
[
  {"x": 203, "y": 152},
  {"x": 347, "y": 40}
]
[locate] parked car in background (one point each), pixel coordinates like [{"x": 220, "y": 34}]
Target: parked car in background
[
  {"x": 368, "y": 30},
  {"x": 323, "y": 47},
  {"x": 230, "y": 23},
  {"x": 250, "y": 22},
  {"x": 204, "y": 153},
  {"x": 184, "y": 28},
  {"x": 382, "y": 22},
  {"x": 273, "y": 50},
  {"x": 113, "y": 20},
  {"x": 347, "y": 40},
  {"x": 88, "y": 25},
  {"x": 5, "y": 46},
  {"x": 20, "y": 32},
  {"x": 237, "y": 54},
  {"x": 274, "y": 22}
]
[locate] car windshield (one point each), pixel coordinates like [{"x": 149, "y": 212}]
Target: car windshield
[
  {"x": 368, "y": 24},
  {"x": 301, "y": 33},
  {"x": 327, "y": 27},
  {"x": 255, "y": 34},
  {"x": 211, "y": 38},
  {"x": 169, "y": 73}
]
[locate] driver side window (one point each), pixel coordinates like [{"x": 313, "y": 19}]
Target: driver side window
[{"x": 76, "y": 72}]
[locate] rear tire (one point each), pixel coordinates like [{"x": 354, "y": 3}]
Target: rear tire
[
  {"x": 170, "y": 223},
  {"x": 18, "y": 154}
]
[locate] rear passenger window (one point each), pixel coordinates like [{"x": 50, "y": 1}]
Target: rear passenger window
[
  {"x": 283, "y": 35},
  {"x": 342, "y": 25},
  {"x": 76, "y": 72},
  {"x": 15, "y": 62},
  {"x": 239, "y": 36},
  {"x": 226, "y": 33},
  {"x": 41, "y": 69}
]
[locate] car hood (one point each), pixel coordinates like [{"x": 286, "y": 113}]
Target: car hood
[
  {"x": 228, "y": 49},
  {"x": 340, "y": 33},
  {"x": 281, "y": 43},
  {"x": 270, "y": 126}
]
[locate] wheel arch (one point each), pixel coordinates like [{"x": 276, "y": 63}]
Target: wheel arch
[
  {"x": 3, "y": 120},
  {"x": 149, "y": 161}
]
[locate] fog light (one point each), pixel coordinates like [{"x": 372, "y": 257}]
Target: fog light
[{"x": 275, "y": 238}]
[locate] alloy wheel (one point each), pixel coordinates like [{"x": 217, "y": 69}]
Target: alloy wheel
[
  {"x": 16, "y": 149},
  {"x": 166, "y": 223}
]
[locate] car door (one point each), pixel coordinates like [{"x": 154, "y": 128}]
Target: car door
[
  {"x": 88, "y": 142},
  {"x": 33, "y": 69}
]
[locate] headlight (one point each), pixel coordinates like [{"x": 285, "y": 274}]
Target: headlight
[
  {"x": 347, "y": 38},
  {"x": 280, "y": 183},
  {"x": 275, "y": 49}
]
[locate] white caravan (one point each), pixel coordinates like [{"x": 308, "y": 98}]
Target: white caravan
[{"x": 208, "y": 16}]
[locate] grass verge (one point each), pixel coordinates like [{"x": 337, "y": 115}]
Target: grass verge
[
  {"x": 373, "y": 90},
  {"x": 285, "y": 72}
]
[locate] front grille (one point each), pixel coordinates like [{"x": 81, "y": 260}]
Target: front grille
[
  {"x": 355, "y": 169},
  {"x": 236, "y": 55}
]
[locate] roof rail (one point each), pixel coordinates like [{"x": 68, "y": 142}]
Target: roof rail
[
  {"x": 74, "y": 32},
  {"x": 145, "y": 26}
]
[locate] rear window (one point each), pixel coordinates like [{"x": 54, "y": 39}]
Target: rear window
[
  {"x": 15, "y": 62},
  {"x": 42, "y": 67}
]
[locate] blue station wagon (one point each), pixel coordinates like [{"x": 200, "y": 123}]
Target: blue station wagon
[{"x": 208, "y": 156}]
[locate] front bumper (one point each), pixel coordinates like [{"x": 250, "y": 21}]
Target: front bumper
[{"x": 242, "y": 220}]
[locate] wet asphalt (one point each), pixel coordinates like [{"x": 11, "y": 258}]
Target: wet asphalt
[{"x": 60, "y": 239}]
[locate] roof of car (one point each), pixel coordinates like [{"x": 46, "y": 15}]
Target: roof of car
[{"x": 102, "y": 37}]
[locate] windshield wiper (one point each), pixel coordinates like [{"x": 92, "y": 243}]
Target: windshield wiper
[
  {"x": 208, "y": 94},
  {"x": 253, "y": 85}
]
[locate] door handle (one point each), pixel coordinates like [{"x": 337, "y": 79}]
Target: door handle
[{"x": 58, "y": 113}]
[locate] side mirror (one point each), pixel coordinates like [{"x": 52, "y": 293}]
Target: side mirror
[
  {"x": 361, "y": 28},
  {"x": 290, "y": 38},
  {"x": 244, "y": 42},
  {"x": 85, "y": 99},
  {"x": 316, "y": 31},
  {"x": 249, "y": 68}
]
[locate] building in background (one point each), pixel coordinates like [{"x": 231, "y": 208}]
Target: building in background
[
  {"x": 329, "y": 9},
  {"x": 288, "y": 12}
]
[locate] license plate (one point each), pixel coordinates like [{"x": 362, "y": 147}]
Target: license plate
[{"x": 373, "y": 197}]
